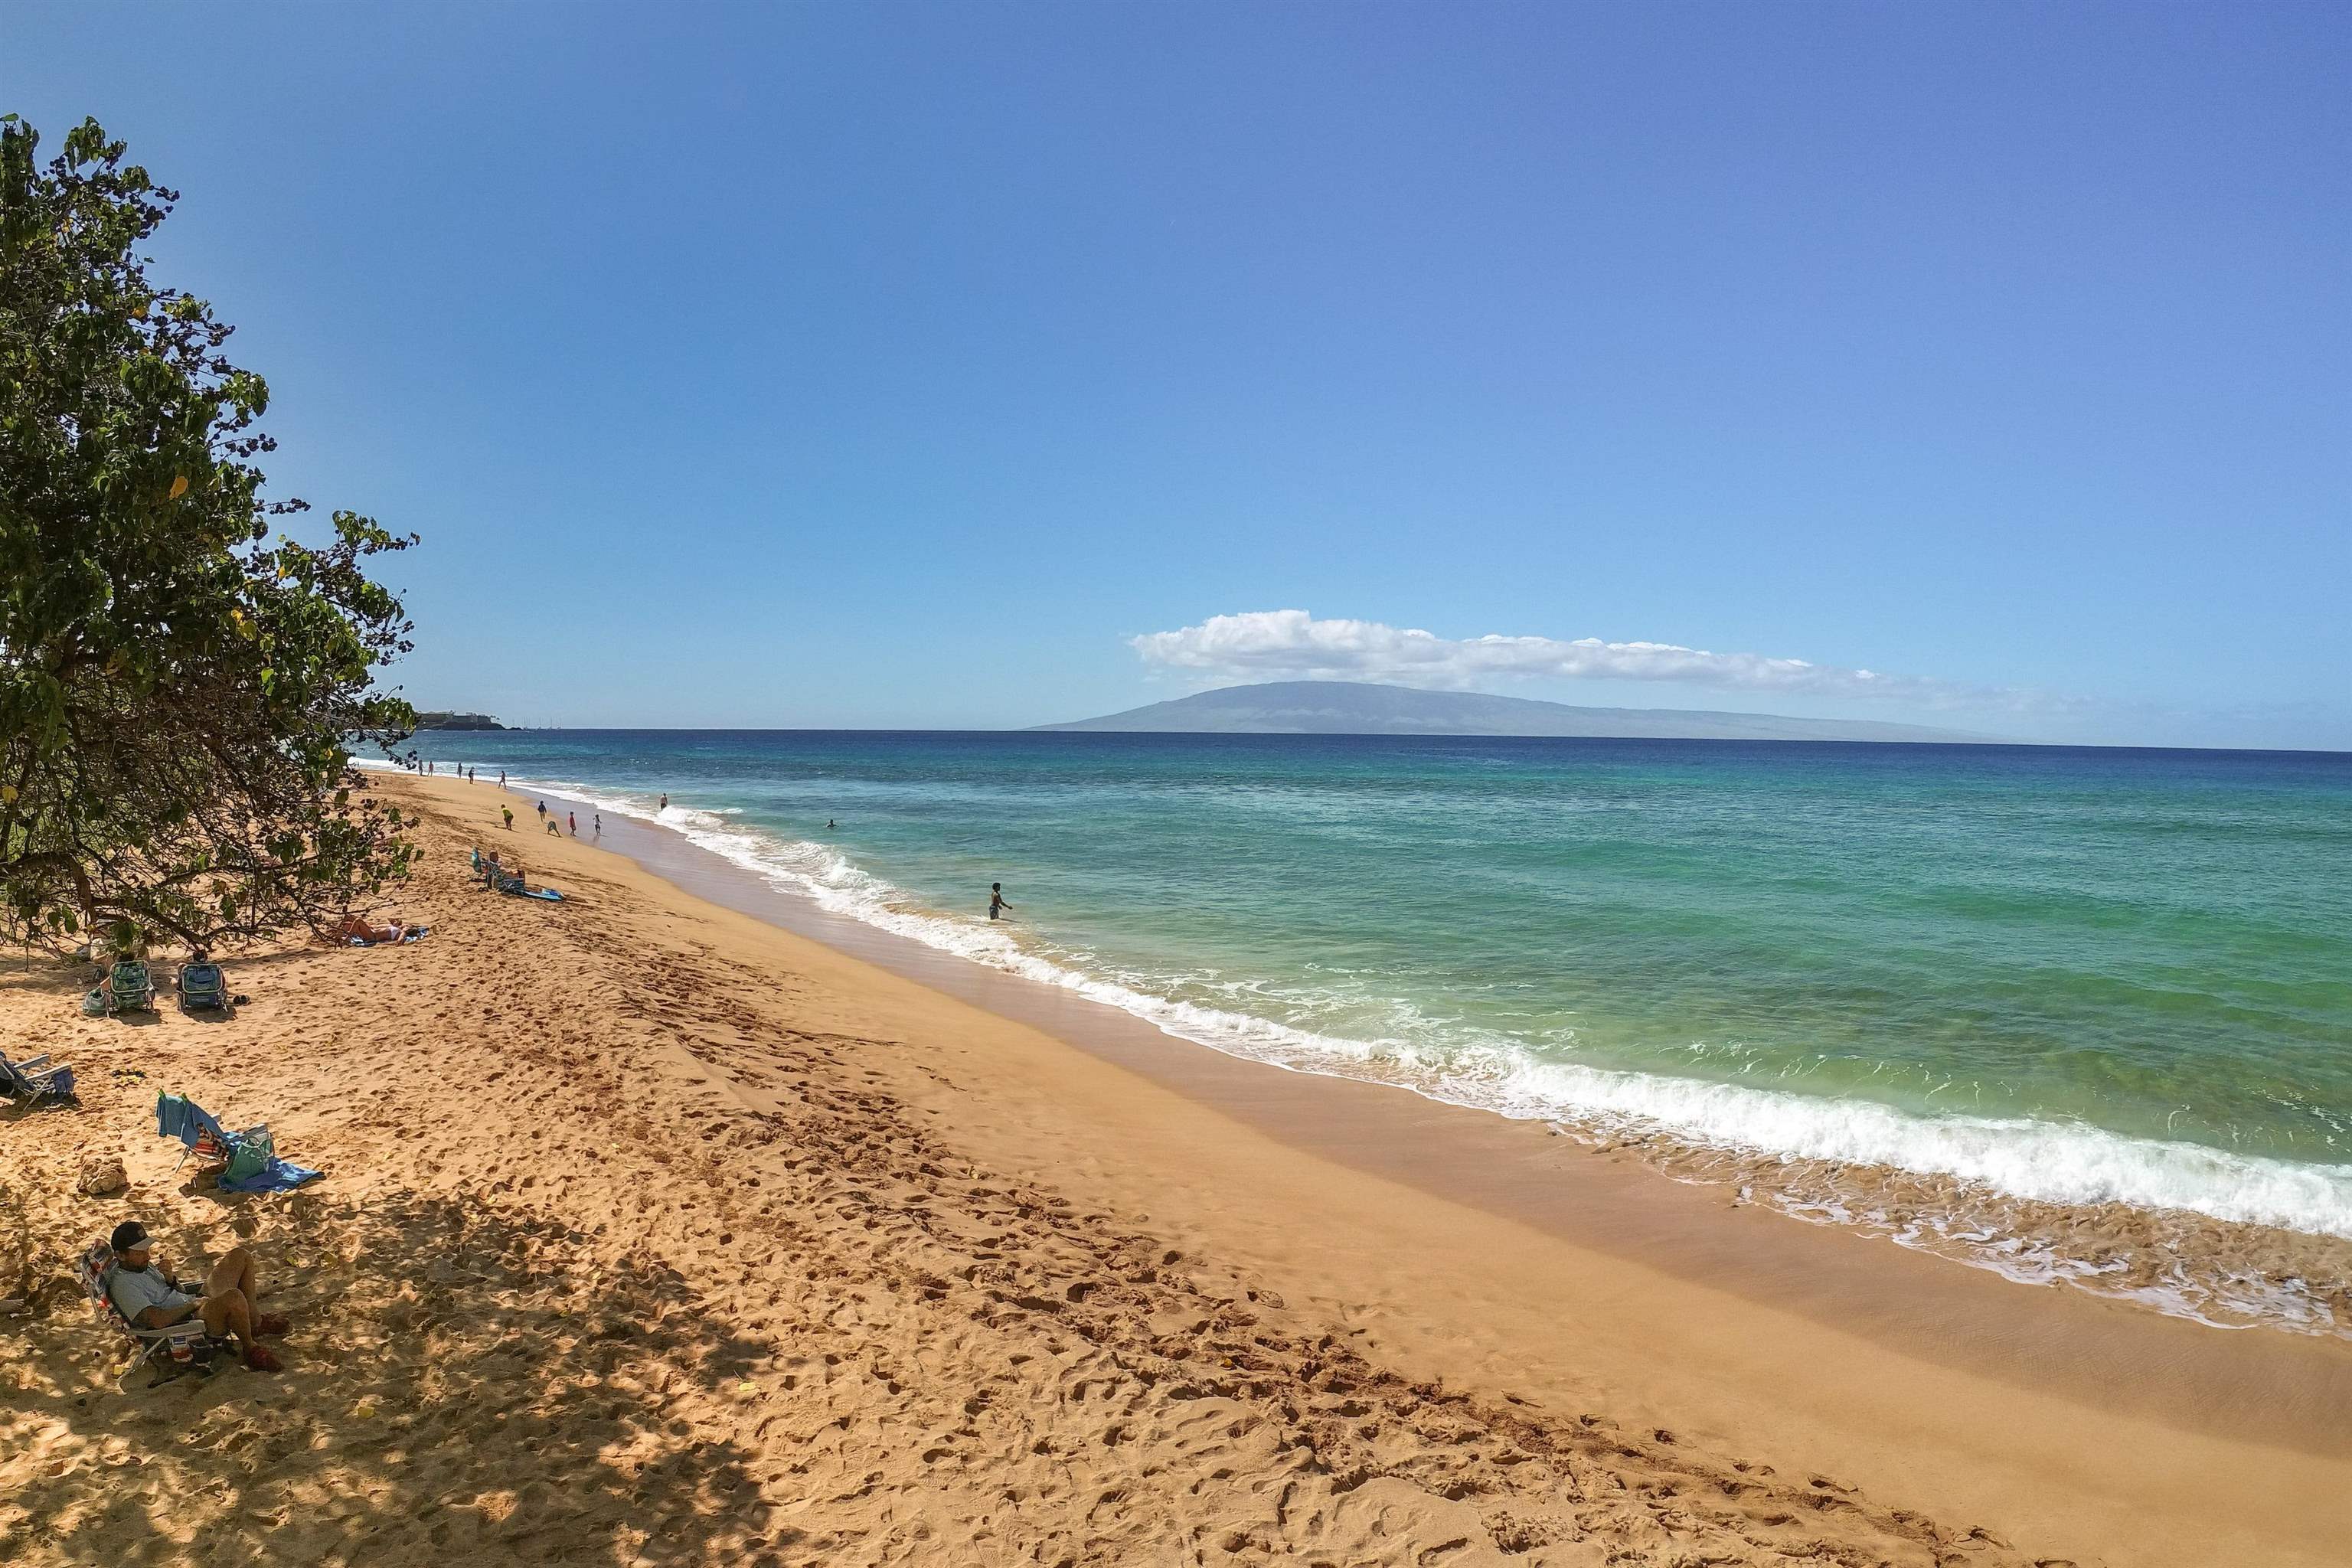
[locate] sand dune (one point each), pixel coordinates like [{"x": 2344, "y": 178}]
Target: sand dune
[{"x": 647, "y": 1239}]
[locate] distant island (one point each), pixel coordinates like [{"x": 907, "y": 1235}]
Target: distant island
[
  {"x": 456, "y": 721},
  {"x": 1358, "y": 708}
]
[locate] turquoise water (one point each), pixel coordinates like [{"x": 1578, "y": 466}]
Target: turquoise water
[{"x": 2075, "y": 976}]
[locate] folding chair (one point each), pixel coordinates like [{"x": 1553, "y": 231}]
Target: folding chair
[
  {"x": 36, "y": 1079},
  {"x": 174, "y": 1349}
]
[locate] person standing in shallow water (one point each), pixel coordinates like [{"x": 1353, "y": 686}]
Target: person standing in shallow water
[{"x": 996, "y": 904}]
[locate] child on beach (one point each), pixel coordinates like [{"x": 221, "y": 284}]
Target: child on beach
[
  {"x": 996, "y": 900},
  {"x": 507, "y": 812},
  {"x": 573, "y": 819},
  {"x": 552, "y": 828},
  {"x": 599, "y": 825}
]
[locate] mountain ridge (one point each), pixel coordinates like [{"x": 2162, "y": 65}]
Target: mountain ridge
[{"x": 1364, "y": 707}]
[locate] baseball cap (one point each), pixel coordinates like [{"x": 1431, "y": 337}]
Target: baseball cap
[{"x": 127, "y": 1236}]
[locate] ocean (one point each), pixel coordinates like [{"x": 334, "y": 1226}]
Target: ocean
[{"x": 2077, "y": 1015}]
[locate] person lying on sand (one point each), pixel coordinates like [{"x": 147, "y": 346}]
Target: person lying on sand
[
  {"x": 354, "y": 928},
  {"x": 153, "y": 1300}
]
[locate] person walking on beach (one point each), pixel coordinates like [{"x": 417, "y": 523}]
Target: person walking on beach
[
  {"x": 502, "y": 778},
  {"x": 542, "y": 811},
  {"x": 599, "y": 825},
  {"x": 572, "y": 819},
  {"x": 996, "y": 904},
  {"x": 507, "y": 812}
]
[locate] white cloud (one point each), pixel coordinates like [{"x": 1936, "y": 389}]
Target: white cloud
[{"x": 1267, "y": 645}]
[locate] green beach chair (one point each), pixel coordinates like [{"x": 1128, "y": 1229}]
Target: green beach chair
[{"x": 130, "y": 988}]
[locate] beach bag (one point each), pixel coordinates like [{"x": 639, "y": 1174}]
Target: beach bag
[
  {"x": 255, "y": 1152},
  {"x": 93, "y": 1003},
  {"x": 101, "y": 1174}
]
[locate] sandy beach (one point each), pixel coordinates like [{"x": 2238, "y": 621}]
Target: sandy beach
[{"x": 653, "y": 1232}]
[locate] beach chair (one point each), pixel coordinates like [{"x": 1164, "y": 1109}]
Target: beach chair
[
  {"x": 174, "y": 1350},
  {"x": 203, "y": 986},
  {"x": 233, "y": 1155},
  {"x": 128, "y": 987},
  {"x": 35, "y": 1079}
]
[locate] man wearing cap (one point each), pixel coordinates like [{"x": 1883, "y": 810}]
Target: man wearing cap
[{"x": 152, "y": 1299}]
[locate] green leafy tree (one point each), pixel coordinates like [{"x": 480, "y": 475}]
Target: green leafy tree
[{"x": 177, "y": 691}]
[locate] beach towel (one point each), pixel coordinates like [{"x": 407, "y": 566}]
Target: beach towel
[
  {"x": 277, "y": 1176},
  {"x": 175, "y": 1117}
]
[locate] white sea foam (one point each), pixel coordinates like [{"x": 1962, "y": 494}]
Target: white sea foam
[{"x": 2041, "y": 1161}]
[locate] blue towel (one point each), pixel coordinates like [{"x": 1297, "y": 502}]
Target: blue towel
[
  {"x": 174, "y": 1118},
  {"x": 279, "y": 1176}
]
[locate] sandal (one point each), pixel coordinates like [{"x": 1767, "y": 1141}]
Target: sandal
[{"x": 259, "y": 1359}]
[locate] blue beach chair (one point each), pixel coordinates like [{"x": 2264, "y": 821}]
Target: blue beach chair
[
  {"x": 203, "y": 986},
  {"x": 241, "y": 1161},
  {"x": 35, "y": 1079}
]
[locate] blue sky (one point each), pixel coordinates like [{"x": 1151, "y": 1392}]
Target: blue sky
[{"x": 903, "y": 365}]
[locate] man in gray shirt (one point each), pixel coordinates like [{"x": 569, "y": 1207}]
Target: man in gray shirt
[{"x": 152, "y": 1299}]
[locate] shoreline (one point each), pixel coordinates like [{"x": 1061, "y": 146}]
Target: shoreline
[
  {"x": 2245, "y": 1242},
  {"x": 2240, "y": 1274},
  {"x": 2059, "y": 1362}
]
